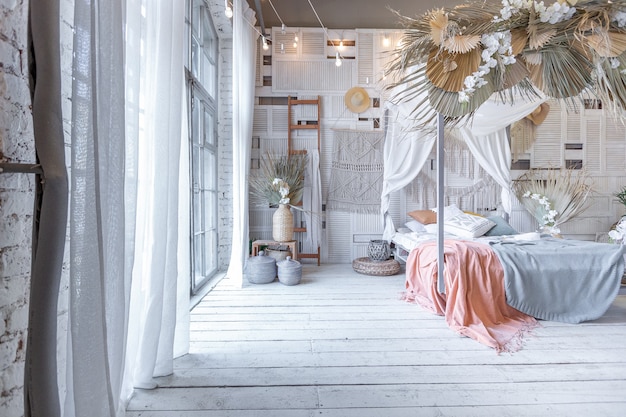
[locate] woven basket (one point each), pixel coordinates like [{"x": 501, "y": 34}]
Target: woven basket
[
  {"x": 381, "y": 268},
  {"x": 282, "y": 224}
]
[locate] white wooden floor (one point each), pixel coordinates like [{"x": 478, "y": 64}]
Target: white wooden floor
[{"x": 342, "y": 344}]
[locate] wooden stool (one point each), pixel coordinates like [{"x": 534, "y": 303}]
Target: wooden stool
[{"x": 293, "y": 247}]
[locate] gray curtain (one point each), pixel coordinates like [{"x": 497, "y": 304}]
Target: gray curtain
[{"x": 41, "y": 396}]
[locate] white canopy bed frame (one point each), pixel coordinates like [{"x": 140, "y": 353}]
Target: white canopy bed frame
[{"x": 407, "y": 148}]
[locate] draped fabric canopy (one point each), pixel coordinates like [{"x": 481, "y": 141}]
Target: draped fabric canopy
[{"x": 407, "y": 148}]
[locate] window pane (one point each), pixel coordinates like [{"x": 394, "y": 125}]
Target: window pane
[{"x": 209, "y": 128}]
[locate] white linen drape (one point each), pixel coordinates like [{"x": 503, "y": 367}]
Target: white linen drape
[
  {"x": 126, "y": 101},
  {"x": 407, "y": 148},
  {"x": 405, "y": 153},
  {"x": 155, "y": 296},
  {"x": 312, "y": 199},
  {"x": 244, "y": 52},
  {"x": 99, "y": 274}
]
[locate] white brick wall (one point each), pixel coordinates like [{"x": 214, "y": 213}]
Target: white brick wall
[
  {"x": 16, "y": 204},
  {"x": 225, "y": 137}
]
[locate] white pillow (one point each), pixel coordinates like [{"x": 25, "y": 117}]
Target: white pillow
[
  {"x": 415, "y": 226},
  {"x": 432, "y": 228},
  {"x": 450, "y": 211},
  {"x": 467, "y": 225}
]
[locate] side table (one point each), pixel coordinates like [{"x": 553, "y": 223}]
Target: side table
[{"x": 293, "y": 246}]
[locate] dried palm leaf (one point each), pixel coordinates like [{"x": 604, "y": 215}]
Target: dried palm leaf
[
  {"x": 567, "y": 190},
  {"x": 453, "y": 80},
  {"x": 532, "y": 58},
  {"x": 608, "y": 44},
  {"x": 514, "y": 74},
  {"x": 438, "y": 26},
  {"x": 288, "y": 168},
  {"x": 447, "y": 103},
  {"x": 519, "y": 39},
  {"x": 610, "y": 86},
  {"x": 565, "y": 73},
  {"x": 538, "y": 39},
  {"x": 461, "y": 44}
]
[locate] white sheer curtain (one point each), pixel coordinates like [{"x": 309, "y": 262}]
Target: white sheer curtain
[
  {"x": 405, "y": 152},
  {"x": 244, "y": 59},
  {"x": 99, "y": 277},
  {"x": 155, "y": 294},
  {"x": 127, "y": 100}
]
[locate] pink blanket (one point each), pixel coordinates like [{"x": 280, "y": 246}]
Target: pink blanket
[{"x": 474, "y": 304}]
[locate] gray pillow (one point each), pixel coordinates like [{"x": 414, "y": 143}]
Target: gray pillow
[{"x": 502, "y": 227}]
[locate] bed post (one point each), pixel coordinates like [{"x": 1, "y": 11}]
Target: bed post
[{"x": 441, "y": 285}]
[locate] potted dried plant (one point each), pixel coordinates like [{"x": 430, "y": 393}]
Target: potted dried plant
[
  {"x": 553, "y": 196},
  {"x": 280, "y": 183}
]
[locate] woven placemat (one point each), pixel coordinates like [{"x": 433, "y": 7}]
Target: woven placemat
[{"x": 380, "y": 268}]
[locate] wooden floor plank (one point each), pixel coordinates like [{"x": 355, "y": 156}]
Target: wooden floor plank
[{"x": 343, "y": 344}]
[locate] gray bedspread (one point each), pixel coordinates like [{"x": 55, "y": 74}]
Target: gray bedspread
[{"x": 559, "y": 279}]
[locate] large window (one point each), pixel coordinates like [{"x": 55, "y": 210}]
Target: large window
[{"x": 202, "y": 87}]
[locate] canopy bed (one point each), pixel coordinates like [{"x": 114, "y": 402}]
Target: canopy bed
[{"x": 477, "y": 69}]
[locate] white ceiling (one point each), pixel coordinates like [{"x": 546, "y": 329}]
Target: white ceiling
[{"x": 343, "y": 14}]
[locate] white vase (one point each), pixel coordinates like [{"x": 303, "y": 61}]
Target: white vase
[{"x": 282, "y": 224}]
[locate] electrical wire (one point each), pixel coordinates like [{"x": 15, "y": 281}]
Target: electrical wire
[{"x": 323, "y": 28}]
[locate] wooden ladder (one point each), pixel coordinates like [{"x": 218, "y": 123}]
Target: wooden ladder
[{"x": 303, "y": 125}]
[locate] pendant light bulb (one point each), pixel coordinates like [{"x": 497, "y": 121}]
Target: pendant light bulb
[
  {"x": 228, "y": 11},
  {"x": 282, "y": 48},
  {"x": 282, "y": 29},
  {"x": 340, "y": 44},
  {"x": 337, "y": 59},
  {"x": 386, "y": 41},
  {"x": 265, "y": 46}
]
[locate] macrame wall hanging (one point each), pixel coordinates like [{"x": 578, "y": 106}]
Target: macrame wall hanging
[
  {"x": 357, "y": 171},
  {"x": 483, "y": 193}
]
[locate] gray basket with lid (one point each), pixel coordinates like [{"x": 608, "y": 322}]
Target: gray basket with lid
[
  {"x": 261, "y": 269},
  {"x": 289, "y": 271}
]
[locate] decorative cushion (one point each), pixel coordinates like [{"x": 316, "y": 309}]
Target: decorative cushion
[
  {"x": 424, "y": 216},
  {"x": 501, "y": 228},
  {"x": 449, "y": 211},
  {"x": 415, "y": 226},
  {"x": 468, "y": 226}
]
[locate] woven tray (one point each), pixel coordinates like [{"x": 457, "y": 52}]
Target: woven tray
[{"x": 380, "y": 268}]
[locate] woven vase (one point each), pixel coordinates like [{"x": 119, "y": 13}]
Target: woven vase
[{"x": 282, "y": 224}]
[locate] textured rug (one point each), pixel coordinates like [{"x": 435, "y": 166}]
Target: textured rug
[{"x": 357, "y": 171}]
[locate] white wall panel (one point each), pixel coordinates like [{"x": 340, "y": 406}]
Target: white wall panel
[{"x": 317, "y": 76}]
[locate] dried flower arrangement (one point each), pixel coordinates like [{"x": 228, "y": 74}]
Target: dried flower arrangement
[
  {"x": 280, "y": 180},
  {"x": 553, "y": 196},
  {"x": 453, "y": 60}
]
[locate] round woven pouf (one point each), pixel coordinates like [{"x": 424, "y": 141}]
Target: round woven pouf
[{"x": 367, "y": 266}]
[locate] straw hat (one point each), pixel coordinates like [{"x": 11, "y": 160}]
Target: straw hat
[
  {"x": 539, "y": 114},
  {"x": 357, "y": 100}
]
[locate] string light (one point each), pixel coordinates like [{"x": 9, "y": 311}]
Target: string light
[
  {"x": 386, "y": 41},
  {"x": 337, "y": 56},
  {"x": 228, "y": 11}
]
